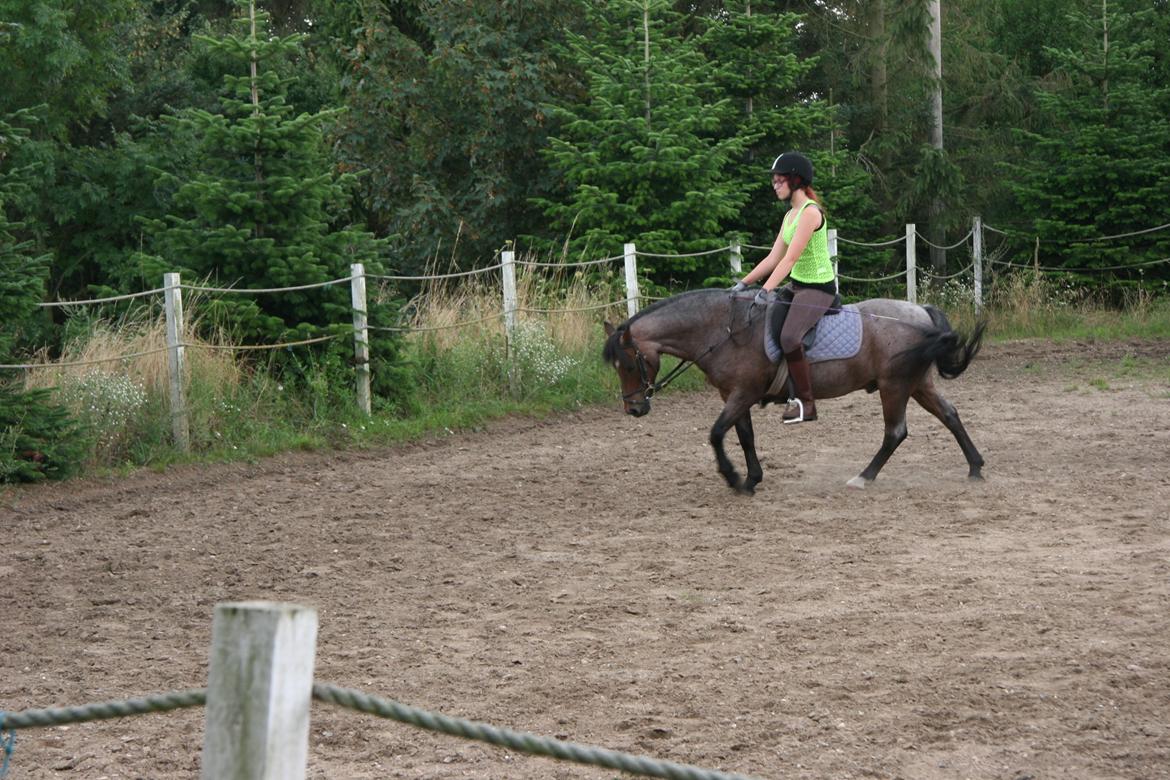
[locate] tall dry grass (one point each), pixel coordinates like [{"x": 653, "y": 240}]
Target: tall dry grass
[
  {"x": 569, "y": 305},
  {"x": 135, "y": 346}
]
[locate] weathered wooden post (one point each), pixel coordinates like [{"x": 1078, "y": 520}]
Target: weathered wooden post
[
  {"x": 911, "y": 264},
  {"x": 508, "y": 271},
  {"x": 361, "y": 334},
  {"x": 736, "y": 260},
  {"x": 508, "y": 275},
  {"x": 259, "y": 688},
  {"x": 632, "y": 293},
  {"x": 833, "y": 255},
  {"x": 977, "y": 259},
  {"x": 176, "y": 361}
]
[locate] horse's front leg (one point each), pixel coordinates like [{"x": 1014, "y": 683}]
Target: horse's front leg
[
  {"x": 747, "y": 440},
  {"x": 736, "y": 414}
]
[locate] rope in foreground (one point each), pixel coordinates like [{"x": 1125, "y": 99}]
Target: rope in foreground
[
  {"x": 526, "y": 743},
  {"x": 372, "y": 705}
]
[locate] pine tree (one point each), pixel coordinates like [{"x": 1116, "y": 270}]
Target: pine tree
[
  {"x": 253, "y": 200},
  {"x": 1100, "y": 163},
  {"x": 756, "y": 47},
  {"x": 37, "y": 438},
  {"x": 447, "y": 113},
  {"x": 647, "y": 157}
]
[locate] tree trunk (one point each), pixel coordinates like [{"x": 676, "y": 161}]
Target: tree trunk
[
  {"x": 879, "y": 74},
  {"x": 938, "y": 257}
]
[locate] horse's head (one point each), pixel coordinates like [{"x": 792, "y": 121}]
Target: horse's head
[{"x": 635, "y": 369}]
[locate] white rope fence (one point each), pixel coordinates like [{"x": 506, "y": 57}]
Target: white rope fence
[{"x": 173, "y": 288}]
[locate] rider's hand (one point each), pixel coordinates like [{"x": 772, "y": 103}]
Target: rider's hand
[
  {"x": 764, "y": 297},
  {"x": 738, "y": 286}
]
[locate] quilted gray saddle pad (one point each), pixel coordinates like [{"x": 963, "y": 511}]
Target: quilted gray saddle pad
[{"x": 837, "y": 336}]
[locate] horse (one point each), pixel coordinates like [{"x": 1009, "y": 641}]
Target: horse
[{"x": 722, "y": 333}]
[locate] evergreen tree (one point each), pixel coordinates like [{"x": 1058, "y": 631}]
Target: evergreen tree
[
  {"x": 758, "y": 62},
  {"x": 23, "y": 269},
  {"x": 253, "y": 203},
  {"x": 447, "y": 115},
  {"x": 37, "y": 438},
  {"x": 1099, "y": 163},
  {"x": 648, "y": 156}
]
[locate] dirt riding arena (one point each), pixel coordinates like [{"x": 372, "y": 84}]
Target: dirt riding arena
[{"x": 590, "y": 577}]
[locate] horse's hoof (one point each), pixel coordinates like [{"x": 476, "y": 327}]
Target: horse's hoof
[
  {"x": 976, "y": 477},
  {"x": 858, "y": 483},
  {"x": 746, "y": 489}
]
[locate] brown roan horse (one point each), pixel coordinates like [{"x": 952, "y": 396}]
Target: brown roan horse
[{"x": 723, "y": 334}]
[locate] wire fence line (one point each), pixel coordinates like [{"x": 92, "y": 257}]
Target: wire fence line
[
  {"x": 891, "y": 242},
  {"x": 1061, "y": 269},
  {"x": 1090, "y": 240},
  {"x": 111, "y": 299},
  {"x": 604, "y": 260},
  {"x": 511, "y": 310},
  {"x": 847, "y": 278},
  {"x": 961, "y": 272},
  {"x": 955, "y": 245}
]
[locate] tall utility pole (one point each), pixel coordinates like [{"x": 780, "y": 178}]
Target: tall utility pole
[{"x": 938, "y": 257}]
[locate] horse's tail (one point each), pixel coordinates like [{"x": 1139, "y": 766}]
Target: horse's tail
[{"x": 945, "y": 347}]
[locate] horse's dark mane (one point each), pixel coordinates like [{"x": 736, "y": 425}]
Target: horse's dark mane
[{"x": 612, "y": 351}]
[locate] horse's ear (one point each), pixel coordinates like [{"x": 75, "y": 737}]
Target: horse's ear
[{"x": 609, "y": 329}]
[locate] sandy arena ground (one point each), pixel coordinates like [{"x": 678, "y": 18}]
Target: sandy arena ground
[{"x": 590, "y": 577}]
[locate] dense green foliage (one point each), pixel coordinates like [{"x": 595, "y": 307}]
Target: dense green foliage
[
  {"x": 1100, "y": 162},
  {"x": 473, "y": 124},
  {"x": 36, "y": 436}
]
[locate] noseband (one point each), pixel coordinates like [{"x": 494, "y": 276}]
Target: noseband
[{"x": 648, "y": 388}]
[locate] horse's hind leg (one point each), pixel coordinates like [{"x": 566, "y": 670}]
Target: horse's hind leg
[
  {"x": 932, "y": 401},
  {"x": 894, "y": 413}
]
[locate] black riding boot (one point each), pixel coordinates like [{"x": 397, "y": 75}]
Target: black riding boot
[{"x": 802, "y": 408}]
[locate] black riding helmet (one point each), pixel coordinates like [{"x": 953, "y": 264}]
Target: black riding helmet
[{"x": 794, "y": 164}]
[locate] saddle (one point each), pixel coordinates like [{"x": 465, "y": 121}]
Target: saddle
[
  {"x": 832, "y": 338},
  {"x": 778, "y": 312}
]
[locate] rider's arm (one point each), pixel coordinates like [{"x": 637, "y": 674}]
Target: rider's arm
[{"x": 765, "y": 266}]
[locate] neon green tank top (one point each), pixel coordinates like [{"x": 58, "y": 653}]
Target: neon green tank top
[{"x": 813, "y": 266}]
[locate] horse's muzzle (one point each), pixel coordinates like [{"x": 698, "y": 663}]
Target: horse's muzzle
[{"x": 639, "y": 409}]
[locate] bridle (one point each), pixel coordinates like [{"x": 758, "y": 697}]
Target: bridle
[{"x": 648, "y": 388}]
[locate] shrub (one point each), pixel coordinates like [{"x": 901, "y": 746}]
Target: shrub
[{"x": 38, "y": 439}]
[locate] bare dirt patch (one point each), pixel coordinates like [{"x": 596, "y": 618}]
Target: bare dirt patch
[{"x": 591, "y": 577}]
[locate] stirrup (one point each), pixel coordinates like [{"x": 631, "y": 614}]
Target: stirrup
[{"x": 799, "y": 418}]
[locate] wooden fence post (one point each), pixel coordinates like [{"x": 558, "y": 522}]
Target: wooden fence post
[
  {"x": 911, "y": 264},
  {"x": 508, "y": 269},
  {"x": 361, "y": 334},
  {"x": 736, "y": 260},
  {"x": 259, "y": 688},
  {"x": 508, "y": 275},
  {"x": 833, "y": 256},
  {"x": 977, "y": 260},
  {"x": 176, "y": 361},
  {"x": 632, "y": 293}
]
